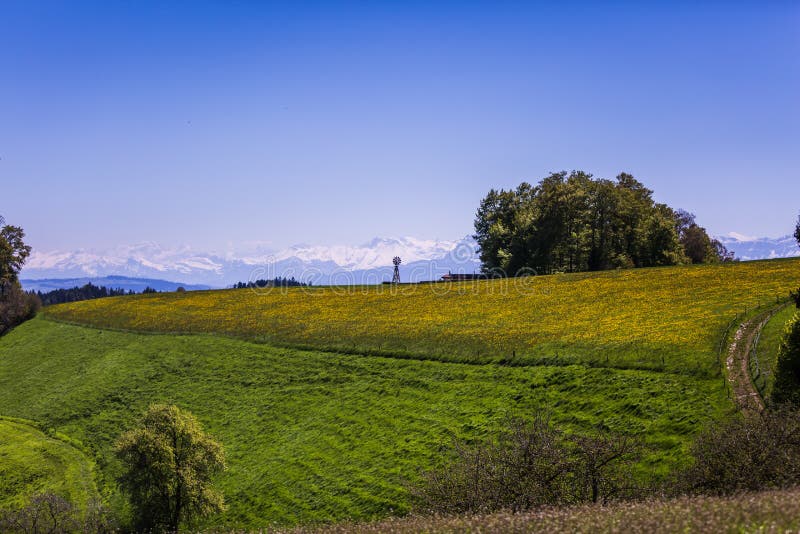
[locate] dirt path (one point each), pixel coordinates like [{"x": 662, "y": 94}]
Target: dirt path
[{"x": 745, "y": 394}]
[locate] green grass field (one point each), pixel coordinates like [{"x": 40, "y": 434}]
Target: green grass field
[
  {"x": 32, "y": 462},
  {"x": 317, "y": 436}
]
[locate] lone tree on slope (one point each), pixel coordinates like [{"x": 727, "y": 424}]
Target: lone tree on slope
[{"x": 169, "y": 462}]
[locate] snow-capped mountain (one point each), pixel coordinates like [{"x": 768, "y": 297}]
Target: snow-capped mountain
[
  {"x": 760, "y": 248},
  {"x": 369, "y": 263},
  {"x": 342, "y": 264}
]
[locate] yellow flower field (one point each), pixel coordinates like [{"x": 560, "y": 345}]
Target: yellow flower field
[{"x": 663, "y": 319}]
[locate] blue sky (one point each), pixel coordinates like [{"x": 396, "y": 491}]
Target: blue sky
[{"x": 332, "y": 122}]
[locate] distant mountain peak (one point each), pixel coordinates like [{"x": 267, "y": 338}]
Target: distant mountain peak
[
  {"x": 741, "y": 237},
  {"x": 370, "y": 262},
  {"x": 151, "y": 260},
  {"x": 760, "y": 248}
]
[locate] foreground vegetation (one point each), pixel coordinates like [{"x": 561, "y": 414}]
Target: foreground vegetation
[
  {"x": 32, "y": 462},
  {"x": 664, "y": 319},
  {"x": 769, "y": 511},
  {"x": 313, "y": 436}
]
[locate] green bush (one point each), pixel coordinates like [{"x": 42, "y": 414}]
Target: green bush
[
  {"x": 747, "y": 454},
  {"x": 787, "y": 372},
  {"x": 531, "y": 464}
]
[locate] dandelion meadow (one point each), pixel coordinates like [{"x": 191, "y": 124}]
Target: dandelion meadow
[{"x": 667, "y": 319}]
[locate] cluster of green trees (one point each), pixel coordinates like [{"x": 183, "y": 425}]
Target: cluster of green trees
[
  {"x": 274, "y": 282},
  {"x": 86, "y": 292},
  {"x": 572, "y": 222}
]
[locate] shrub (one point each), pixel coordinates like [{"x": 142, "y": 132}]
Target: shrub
[
  {"x": 50, "y": 513},
  {"x": 795, "y": 296},
  {"x": 747, "y": 454},
  {"x": 787, "y": 370},
  {"x": 530, "y": 464},
  {"x": 602, "y": 467},
  {"x": 45, "y": 513},
  {"x": 523, "y": 467}
]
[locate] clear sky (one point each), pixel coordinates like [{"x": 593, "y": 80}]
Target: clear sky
[{"x": 333, "y": 122}]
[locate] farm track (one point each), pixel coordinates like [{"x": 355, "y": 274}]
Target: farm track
[{"x": 744, "y": 392}]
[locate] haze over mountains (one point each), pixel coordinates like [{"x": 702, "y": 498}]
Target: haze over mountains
[{"x": 369, "y": 263}]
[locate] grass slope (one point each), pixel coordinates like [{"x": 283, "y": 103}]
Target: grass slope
[
  {"x": 32, "y": 462},
  {"x": 316, "y": 436},
  {"x": 661, "y": 319}
]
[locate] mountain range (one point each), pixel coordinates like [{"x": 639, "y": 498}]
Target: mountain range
[
  {"x": 760, "y": 248},
  {"x": 369, "y": 263}
]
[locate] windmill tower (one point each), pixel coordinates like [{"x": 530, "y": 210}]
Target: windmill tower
[{"x": 396, "y": 277}]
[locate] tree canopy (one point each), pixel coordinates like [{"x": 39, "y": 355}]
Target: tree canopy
[
  {"x": 16, "y": 306},
  {"x": 169, "y": 462},
  {"x": 571, "y": 222},
  {"x": 13, "y": 253}
]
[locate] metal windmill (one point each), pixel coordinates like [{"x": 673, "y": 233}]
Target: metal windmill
[{"x": 396, "y": 277}]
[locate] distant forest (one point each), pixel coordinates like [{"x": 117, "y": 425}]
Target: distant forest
[
  {"x": 572, "y": 222},
  {"x": 87, "y": 292},
  {"x": 274, "y": 282}
]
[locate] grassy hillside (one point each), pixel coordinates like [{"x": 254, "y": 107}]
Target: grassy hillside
[
  {"x": 32, "y": 462},
  {"x": 316, "y": 436},
  {"x": 661, "y": 319}
]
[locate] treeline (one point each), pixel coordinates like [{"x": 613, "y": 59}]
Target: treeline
[
  {"x": 274, "y": 282},
  {"x": 572, "y": 222},
  {"x": 87, "y": 292}
]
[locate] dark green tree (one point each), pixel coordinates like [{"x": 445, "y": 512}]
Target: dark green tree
[
  {"x": 572, "y": 222},
  {"x": 168, "y": 466},
  {"x": 787, "y": 371},
  {"x": 13, "y": 253},
  {"x": 16, "y": 306},
  {"x": 697, "y": 244},
  {"x": 797, "y": 231}
]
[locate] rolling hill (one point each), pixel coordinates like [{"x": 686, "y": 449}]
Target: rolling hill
[
  {"x": 35, "y": 463},
  {"x": 330, "y": 400}
]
